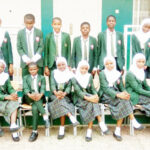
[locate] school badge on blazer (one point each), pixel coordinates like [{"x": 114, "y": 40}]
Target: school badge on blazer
[
  {"x": 92, "y": 47},
  {"x": 37, "y": 39},
  {"x": 39, "y": 84},
  {"x": 5, "y": 40},
  {"x": 65, "y": 44},
  {"x": 148, "y": 44},
  {"x": 119, "y": 42}
]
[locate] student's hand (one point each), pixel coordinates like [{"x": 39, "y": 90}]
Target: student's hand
[
  {"x": 11, "y": 69},
  {"x": 93, "y": 98},
  {"x": 28, "y": 62},
  {"x": 70, "y": 69},
  {"x": 47, "y": 71},
  {"x": 11, "y": 98},
  {"x": 74, "y": 71},
  {"x": 122, "y": 72},
  {"x": 145, "y": 67},
  {"x": 123, "y": 95},
  {"x": 98, "y": 71},
  {"x": 93, "y": 72},
  {"x": 15, "y": 96},
  {"x": 38, "y": 96},
  {"x": 32, "y": 96}
]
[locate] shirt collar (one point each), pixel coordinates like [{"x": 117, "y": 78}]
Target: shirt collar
[
  {"x": 57, "y": 34},
  {"x": 82, "y": 39},
  {"x": 30, "y": 31},
  {"x": 109, "y": 32},
  {"x": 34, "y": 77}
]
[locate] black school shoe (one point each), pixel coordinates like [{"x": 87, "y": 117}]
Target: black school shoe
[
  {"x": 117, "y": 137},
  {"x": 107, "y": 132},
  {"x": 88, "y": 139},
  {"x": 140, "y": 128},
  {"x": 16, "y": 139},
  {"x": 59, "y": 137},
  {"x": 75, "y": 124},
  {"x": 33, "y": 137},
  {"x": 1, "y": 132}
]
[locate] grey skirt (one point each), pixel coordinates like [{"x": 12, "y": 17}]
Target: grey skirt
[
  {"x": 7, "y": 108},
  {"x": 58, "y": 108},
  {"x": 119, "y": 108},
  {"x": 88, "y": 110}
]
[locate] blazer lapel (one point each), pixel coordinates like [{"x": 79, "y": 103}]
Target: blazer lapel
[
  {"x": 25, "y": 40},
  {"x": 79, "y": 47},
  {"x": 62, "y": 44},
  {"x": 34, "y": 39}
]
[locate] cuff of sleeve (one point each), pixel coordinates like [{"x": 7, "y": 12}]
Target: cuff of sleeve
[
  {"x": 36, "y": 57},
  {"x": 25, "y": 58}
]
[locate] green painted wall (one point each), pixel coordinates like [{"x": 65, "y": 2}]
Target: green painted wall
[{"x": 46, "y": 16}]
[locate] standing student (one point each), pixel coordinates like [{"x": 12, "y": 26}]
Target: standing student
[
  {"x": 30, "y": 45},
  {"x": 85, "y": 48},
  {"x": 110, "y": 43},
  {"x": 6, "y": 50},
  {"x": 113, "y": 93},
  {"x": 87, "y": 99},
  {"x": 57, "y": 44},
  {"x": 136, "y": 84},
  {"x": 61, "y": 104},
  {"x": 34, "y": 86},
  {"x": 8, "y": 102}
]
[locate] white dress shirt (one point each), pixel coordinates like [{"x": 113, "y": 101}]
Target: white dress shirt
[
  {"x": 34, "y": 78},
  {"x": 82, "y": 47}
]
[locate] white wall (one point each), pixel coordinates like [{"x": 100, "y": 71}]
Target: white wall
[
  {"x": 74, "y": 12},
  {"x": 12, "y": 13}
]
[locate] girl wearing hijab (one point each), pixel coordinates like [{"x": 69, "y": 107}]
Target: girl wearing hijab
[
  {"x": 136, "y": 84},
  {"x": 87, "y": 99},
  {"x": 112, "y": 92},
  {"x": 8, "y": 101},
  {"x": 61, "y": 106}
]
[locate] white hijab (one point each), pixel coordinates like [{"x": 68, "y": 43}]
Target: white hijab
[
  {"x": 139, "y": 73},
  {"x": 83, "y": 80},
  {"x": 62, "y": 76},
  {"x": 3, "y": 76},
  {"x": 142, "y": 36},
  {"x": 111, "y": 75}
]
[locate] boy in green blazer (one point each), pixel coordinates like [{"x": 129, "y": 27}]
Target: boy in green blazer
[
  {"x": 30, "y": 45},
  {"x": 85, "y": 48},
  {"x": 6, "y": 50},
  {"x": 34, "y": 89},
  {"x": 57, "y": 44},
  {"x": 110, "y": 43}
]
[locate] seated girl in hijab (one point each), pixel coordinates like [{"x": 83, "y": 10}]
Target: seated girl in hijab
[
  {"x": 61, "y": 106},
  {"x": 113, "y": 93},
  {"x": 8, "y": 101},
  {"x": 87, "y": 99},
  {"x": 136, "y": 84}
]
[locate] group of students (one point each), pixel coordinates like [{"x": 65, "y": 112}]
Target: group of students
[{"x": 76, "y": 69}]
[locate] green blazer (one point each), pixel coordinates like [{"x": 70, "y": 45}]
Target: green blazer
[
  {"x": 105, "y": 89},
  {"x": 54, "y": 85},
  {"x": 77, "y": 52},
  {"x": 102, "y": 52},
  {"x": 147, "y": 52},
  {"x": 22, "y": 46},
  {"x": 27, "y": 84},
  {"x": 136, "y": 87},
  {"x": 7, "y": 49},
  {"x": 80, "y": 92},
  {"x": 6, "y": 90},
  {"x": 50, "y": 49}
]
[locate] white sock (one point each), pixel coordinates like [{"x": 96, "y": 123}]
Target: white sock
[
  {"x": 13, "y": 125},
  {"x": 35, "y": 131},
  {"x": 72, "y": 119},
  {"x": 89, "y": 133},
  {"x": 61, "y": 130},
  {"x": 103, "y": 126},
  {"x": 135, "y": 123},
  {"x": 45, "y": 117},
  {"x": 15, "y": 134},
  {"x": 117, "y": 131}
]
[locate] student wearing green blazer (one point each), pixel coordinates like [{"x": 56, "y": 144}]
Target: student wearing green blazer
[
  {"x": 57, "y": 44},
  {"x": 85, "y": 48},
  {"x": 6, "y": 49},
  {"x": 136, "y": 84},
  {"x": 110, "y": 43},
  {"x": 30, "y": 45},
  {"x": 34, "y": 86}
]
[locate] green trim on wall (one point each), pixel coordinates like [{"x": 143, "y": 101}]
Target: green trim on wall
[{"x": 46, "y": 16}]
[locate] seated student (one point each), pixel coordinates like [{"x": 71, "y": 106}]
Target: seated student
[
  {"x": 8, "y": 102},
  {"x": 61, "y": 105},
  {"x": 34, "y": 86},
  {"x": 113, "y": 93},
  {"x": 136, "y": 84},
  {"x": 87, "y": 99}
]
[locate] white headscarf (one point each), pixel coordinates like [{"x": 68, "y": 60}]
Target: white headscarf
[
  {"x": 3, "y": 76},
  {"x": 139, "y": 73},
  {"x": 142, "y": 36},
  {"x": 83, "y": 80},
  {"x": 111, "y": 75},
  {"x": 2, "y": 35},
  {"x": 62, "y": 76}
]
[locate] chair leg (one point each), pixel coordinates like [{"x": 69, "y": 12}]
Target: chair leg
[
  {"x": 75, "y": 128},
  {"x": 20, "y": 121},
  {"x": 47, "y": 130},
  {"x": 131, "y": 128}
]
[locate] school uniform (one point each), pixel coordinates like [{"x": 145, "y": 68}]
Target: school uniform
[
  {"x": 57, "y": 45},
  {"x": 119, "y": 108},
  {"x": 34, "y": 85},
  {"x": 5, "y": 48},
  {"x": 78, "y": 52},
  {"x": 104, "y": 48},
  {"x": 30, "y": 47},
  {"x": 7, "y": 107},
  {"x": 88, "y": 110},
  {"x": 59, "y": 108}
]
